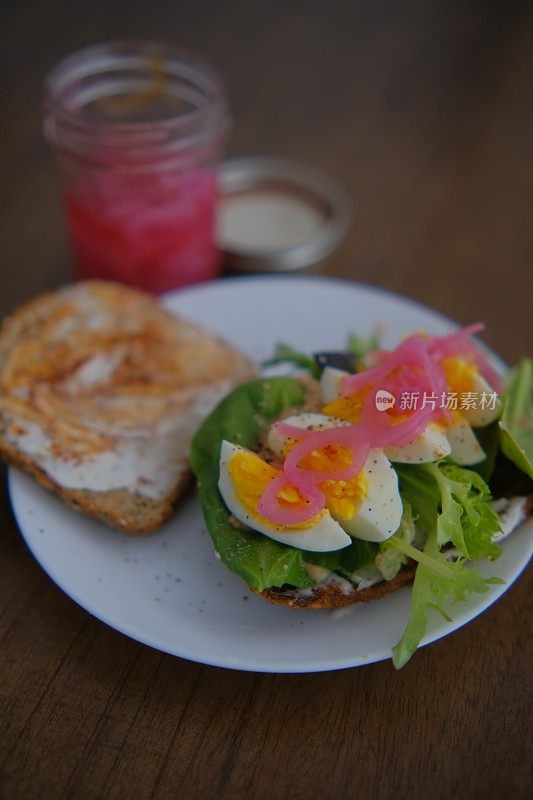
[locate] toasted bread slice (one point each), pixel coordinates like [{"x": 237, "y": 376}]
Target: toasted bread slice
[
  {"x": 333, "y": 595},
  {"x": 101, "y": 391}
]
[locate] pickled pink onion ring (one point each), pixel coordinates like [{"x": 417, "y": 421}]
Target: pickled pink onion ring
[
  {"x": 351, "y": 384},
  {"x": 458, "y": 344},
  {"x": 454, "y": 343},
  {"x": 382, "y": 431},
  {"x": 291, "y": 431},
  {"x": 410, "y": 352},
  {"x": 488, "y": 372},
  {"x": 351, "y": 436},
  {"x": 416, "y": 373},
  {"x": 437, "y": 382},
  {"x": 269, "y": 505}
]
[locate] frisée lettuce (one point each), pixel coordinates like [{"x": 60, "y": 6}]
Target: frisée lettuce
[{"x": 451, "y": 505}]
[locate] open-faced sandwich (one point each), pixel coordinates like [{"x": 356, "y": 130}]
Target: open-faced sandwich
[
  {"x": 101, "y": 390},
  {"x": 342, "y": 485}
]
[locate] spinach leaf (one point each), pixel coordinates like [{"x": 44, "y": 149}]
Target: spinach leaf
[{"x": 241, "y": 417}]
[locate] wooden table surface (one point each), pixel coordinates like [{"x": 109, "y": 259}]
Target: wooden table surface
[{"x": 423, "y": 111}]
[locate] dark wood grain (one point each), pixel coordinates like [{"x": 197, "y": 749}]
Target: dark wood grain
[{"x": 423, "y": 111}]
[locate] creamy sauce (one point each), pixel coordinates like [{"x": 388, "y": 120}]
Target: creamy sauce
[
  {"x": 149, "y": 466},
  {"x": 96, "y": 370},
  {"x": 265, "y": 221},
  {"x": 147, "y": 461},
  {"x": 344, "y": 586},
  {"x": 512, "y": 513},
  {"x": 368, "y": 578}
]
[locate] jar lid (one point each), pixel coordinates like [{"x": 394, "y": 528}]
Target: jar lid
[{"x": 278, "y": 215}]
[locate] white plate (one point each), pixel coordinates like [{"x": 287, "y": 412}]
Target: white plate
[{"x": 168, "y": 590}]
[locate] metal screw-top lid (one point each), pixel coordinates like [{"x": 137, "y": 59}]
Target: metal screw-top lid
[{"x": 277, "y": 215}]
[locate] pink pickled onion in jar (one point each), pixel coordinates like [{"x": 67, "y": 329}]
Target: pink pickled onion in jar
[{"x": 139, "y": 129}]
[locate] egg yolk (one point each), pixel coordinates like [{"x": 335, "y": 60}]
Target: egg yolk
[
  {"x": 459, "y": 374},
  {"x": 343, "y": 498},
  {"x": 329, "y": 458},
  {"x": 347, "y": 408},
  {"x": 250, "y": 476}
]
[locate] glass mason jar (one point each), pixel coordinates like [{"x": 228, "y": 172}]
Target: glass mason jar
[{"x": 139, "y": 129}]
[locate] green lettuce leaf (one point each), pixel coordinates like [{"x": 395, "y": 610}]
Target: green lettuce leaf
[
  {"x": 432, "y": 589},
  {"x": 285, "y": 354},
  {"x": 451, "y": 504},
  {"x": 345, "y": 562},
  {"x": 488, "y": 438},
  {"x": 357, "y": 347},
  {"x": 456, "y": 499},
  {"x": 516, "y": 424},
  {"x": 392, "y": 557},
  {"x": 241, "y": 418},
  {"x": 361, "y": 346}
]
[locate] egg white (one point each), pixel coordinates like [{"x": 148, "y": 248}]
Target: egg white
[
  {"x": 379, "y": 515},
  {"x": 429, "y": 446},
  {"x": 330, "y": 383},
  {"x": 479, "y": 417},
  {"x": 465, "y": 448},
  {"x": 324, "y": 535},
  {"x": 308, "y": 420}
]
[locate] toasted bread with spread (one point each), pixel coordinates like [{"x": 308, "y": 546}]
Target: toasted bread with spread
[{"x": 101, "y": 390}]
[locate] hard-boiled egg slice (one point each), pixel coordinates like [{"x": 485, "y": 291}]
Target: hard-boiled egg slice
[
  {"x": 368, "y": 506},
  {"x": 431, "y": 445},
  {"x": 243, "y": 478},
  {"x": 465, "y": 448},
  {"x": 330, "y": 383},
  {"x": 477, "y": 401},
  {"x": 380, "y": 512},
  {"x": 488, "y": 407},
  {"x": 280, "y": 444}
]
